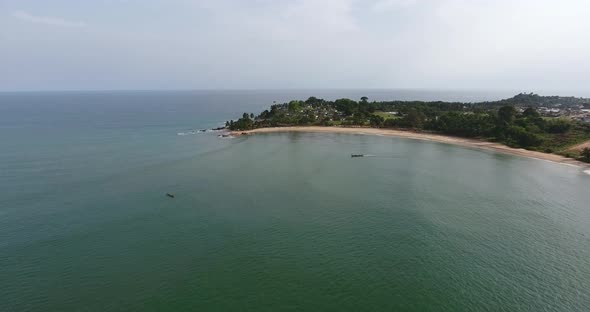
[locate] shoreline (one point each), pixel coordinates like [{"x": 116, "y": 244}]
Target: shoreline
[{"x": 490, "y": 146}]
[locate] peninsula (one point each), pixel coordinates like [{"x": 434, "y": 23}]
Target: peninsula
[{"x": 550, "y": 128}]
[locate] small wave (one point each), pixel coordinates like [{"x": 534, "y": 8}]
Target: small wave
[
  {"x": 226, "y": 136},
  {"x": 587, "y": 171},
  {"x": 193, "y": 132}
]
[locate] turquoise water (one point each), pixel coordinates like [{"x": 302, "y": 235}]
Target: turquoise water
[{"x": 275, "y": 221}]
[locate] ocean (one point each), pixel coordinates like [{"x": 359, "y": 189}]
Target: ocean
[{"x": 272, "y": 222}]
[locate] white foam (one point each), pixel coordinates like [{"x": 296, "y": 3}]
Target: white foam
[
  {"x": 193, "y": 132},
  {"x": 587, "y": 171}
]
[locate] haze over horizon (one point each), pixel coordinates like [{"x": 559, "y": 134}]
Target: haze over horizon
[{"x": 305, "y": 44}]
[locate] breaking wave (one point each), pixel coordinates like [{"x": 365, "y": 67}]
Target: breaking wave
[{"x": 193, "y": 132}]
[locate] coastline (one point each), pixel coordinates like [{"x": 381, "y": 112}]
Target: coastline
[{"x": 491, "y": 146}]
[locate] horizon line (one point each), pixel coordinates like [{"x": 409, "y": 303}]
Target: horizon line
[{"x": 524, "y": 90}]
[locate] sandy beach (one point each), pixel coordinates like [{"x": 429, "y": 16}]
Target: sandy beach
[{"x": 426, "y": 137}]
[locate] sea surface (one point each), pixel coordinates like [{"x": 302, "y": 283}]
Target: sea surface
[{"x": 273, "y": 222}]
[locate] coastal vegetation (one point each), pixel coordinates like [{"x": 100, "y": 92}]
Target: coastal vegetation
[{"x": 546, "y": 124}]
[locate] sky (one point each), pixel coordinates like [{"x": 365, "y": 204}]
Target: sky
[{"x": 290, "y": 44}]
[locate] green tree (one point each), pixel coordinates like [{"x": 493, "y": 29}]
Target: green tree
[
  {"x": 506, "y": 114},
  {"x": 252, "y": 115},
  {"x": 558, "y": 125},
  {"x": 244, "y": 123},
  {"x": 463, "y": 124},
  {"x": 530, "y": 112},
  {"x": 346, "y": 106},
  {"x": 585, "y": 153},
  {"x": 413, "y": 119},
  {"x": 294, "y": 106},
  {"x": 522, "y": 137},
  {"x": 376, "y": 121},
  {"x": 265, "y": 114},
  {"x": 313, "y": 101},
  {"x": 364, "y": 99}
]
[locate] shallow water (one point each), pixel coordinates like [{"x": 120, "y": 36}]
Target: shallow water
[{"x": 272, "y": 221}]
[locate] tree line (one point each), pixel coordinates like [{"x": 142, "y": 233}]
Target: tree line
[{"x": 506, "y": 124}]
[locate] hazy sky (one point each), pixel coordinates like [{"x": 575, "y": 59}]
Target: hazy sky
[{"x": 265, "y": 44}]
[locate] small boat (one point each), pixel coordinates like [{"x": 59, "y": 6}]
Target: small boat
[
  {"x": 357, "y": 155},
  {"x": 170, "y": 195}
]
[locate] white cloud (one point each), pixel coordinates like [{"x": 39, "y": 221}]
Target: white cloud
[
  {"x": 388, "y": 5},
  {"x": 318, "y": 43},
  {"x": 287, "y": 20},
  {"x": 52, "y": 21}
]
